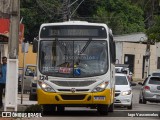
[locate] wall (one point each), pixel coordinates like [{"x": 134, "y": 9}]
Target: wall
[
  {"x": 30, "y": 56},
  {"x": 119, "y": 52},
  {"x": 153, "y": 59},
  {"x": 158, "y": 51},
  {"x": 138, "y": 50}
]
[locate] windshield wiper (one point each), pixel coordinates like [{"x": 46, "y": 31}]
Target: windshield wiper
[
  {"x": 83, "y": 50},
  {"x": 61, "y": 45},
  {"x": 85, "y": 47}
]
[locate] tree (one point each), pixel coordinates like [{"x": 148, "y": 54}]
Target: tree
[
  {"x": 153, "y": 32},
  {"x": 151, "y": 9},
  {"x": 34, "y": 13},
  {"x": 120, "y": 15}
]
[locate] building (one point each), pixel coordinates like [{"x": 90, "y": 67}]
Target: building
[
  {"x": 131, "y": 49},
  {"x": 30, "y": 57},
  {"x": 4, "y": 36},
  {"x": 158, "y": 55}
]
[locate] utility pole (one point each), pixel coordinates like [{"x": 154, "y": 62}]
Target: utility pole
[
  {"x": 150, "y": 23},
  {"x": 66, "y": 10},
  {"x": 12, "y": 62},
  {"x": 69, "y": 10}
]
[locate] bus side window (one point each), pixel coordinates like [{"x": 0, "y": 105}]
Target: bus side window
[{"x": 112, "y": 49}]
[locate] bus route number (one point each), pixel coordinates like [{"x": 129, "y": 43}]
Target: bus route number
[{"x": 42, "y": 77}]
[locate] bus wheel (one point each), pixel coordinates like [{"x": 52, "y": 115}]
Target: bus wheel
[
  {"x": 60, "y": 108},
  {"x": 103, "y": 109},
  {"x": 111, "y": 108},
  {"x": 33, "y": 97},
  {"x": 48, "y": 109}
]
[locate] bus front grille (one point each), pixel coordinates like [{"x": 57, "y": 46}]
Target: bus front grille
[
  {"x": 69, "y": 90},
  {"x": 73, "y": 97},
  {"x": 73, "y": 83}
]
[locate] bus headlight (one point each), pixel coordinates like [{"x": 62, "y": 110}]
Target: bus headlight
[
  {"x": 126, "y": 92},
  {"x": 101, "y": 87},
  {"x": 45, "y": 87}
]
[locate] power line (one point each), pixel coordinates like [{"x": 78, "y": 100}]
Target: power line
[
  {"x": 51, "y": 10},
  {"x": 76, "y": 9}
]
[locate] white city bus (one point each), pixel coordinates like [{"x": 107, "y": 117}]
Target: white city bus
[{"x": 75, "y": 66}]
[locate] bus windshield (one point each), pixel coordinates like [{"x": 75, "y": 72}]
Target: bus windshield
[{"x": 68, "y": 58}]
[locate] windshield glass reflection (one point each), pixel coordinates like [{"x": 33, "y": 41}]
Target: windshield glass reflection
[{"x": 73, "y": 58}]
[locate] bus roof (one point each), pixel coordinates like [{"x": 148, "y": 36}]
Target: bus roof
[{"x": 74, "y": 23}]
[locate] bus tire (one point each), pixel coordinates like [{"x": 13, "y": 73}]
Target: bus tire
[
  {"x": 48, "y": 109},
  {"x": 103, "y": 109},
  {"x": 33, "y": 97},
  {"x": 111, "y": 108}
]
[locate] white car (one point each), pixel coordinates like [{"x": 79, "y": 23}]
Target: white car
[
  {"x": 123, "y": 91},
  {"x": 155, "y": 73},
  {"x": 124, "y": 70}
]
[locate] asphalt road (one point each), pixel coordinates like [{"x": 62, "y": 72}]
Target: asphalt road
[{"x": 120, "y": 113}]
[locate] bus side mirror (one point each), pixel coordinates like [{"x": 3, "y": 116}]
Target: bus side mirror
[{"x": 35, "y": 45}]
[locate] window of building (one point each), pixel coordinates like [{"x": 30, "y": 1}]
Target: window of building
[{"x": 158, "y": 63}]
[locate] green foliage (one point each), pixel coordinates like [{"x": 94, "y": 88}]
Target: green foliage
[
  {"x": 33, "y": 16},
  {"x": 122, "y": 16},
  {"x": 153, "y": 32},
  {"x": 117, "y": 14}
]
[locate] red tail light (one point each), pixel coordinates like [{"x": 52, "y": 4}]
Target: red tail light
[{"x": 146, "y": 87}]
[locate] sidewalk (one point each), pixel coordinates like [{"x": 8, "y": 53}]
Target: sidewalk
[{"x": 25, "y": 103}]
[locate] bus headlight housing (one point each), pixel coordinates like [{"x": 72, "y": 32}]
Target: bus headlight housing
[
  {"x": 126, "y": 92},
  {"x": 101, "y": 87},
  {"x": 45, "y": 87}
]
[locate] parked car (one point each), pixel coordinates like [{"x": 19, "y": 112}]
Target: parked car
[
  {"x": 122, "y": 68},
  {"x": 29, "y": 73},
  {"x": 20, "y": 72},
  {"x": 123, "y": 91},
  {"x": 150, "y": 90},
  {"x": 33, "y": 90}
]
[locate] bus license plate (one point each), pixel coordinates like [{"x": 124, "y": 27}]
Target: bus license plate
[{"x": 99, "y": 98}]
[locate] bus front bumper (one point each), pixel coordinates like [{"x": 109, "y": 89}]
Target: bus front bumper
[{"x": 105, "y": 97}]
